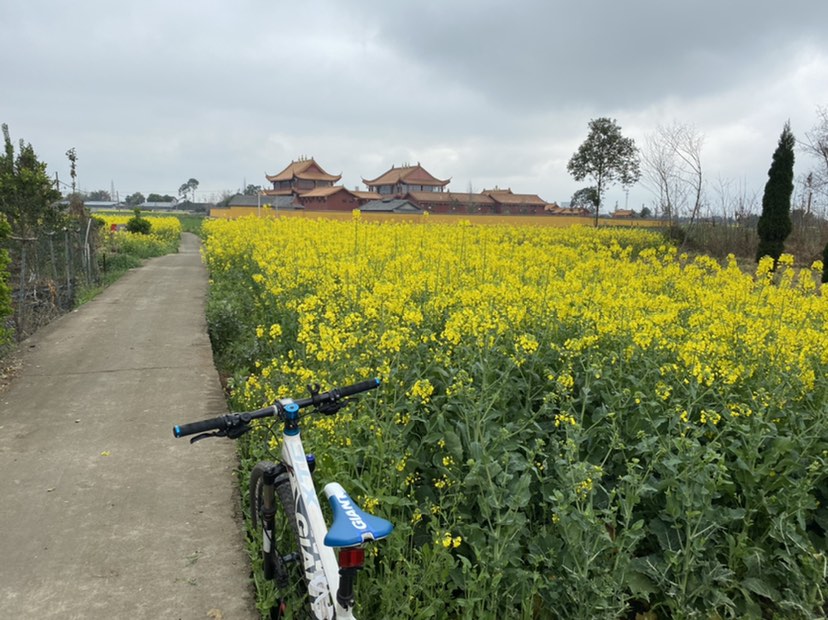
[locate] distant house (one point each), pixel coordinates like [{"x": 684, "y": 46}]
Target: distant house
[
  {"x": 623, "y": 213},
  {"x": 555, "y": 209},
  {"x": 269, "y": 202},
  {"x": 100, "y": 205},
  {"x": 406, "y": 179},
  {"x": 241, "y": 205},
  {"x": 158, "y": 206},
  {"x": 507, "y": 202},
  {"x": 391, "y": 205}
]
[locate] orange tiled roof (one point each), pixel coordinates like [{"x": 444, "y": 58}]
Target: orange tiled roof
[
  {"x": 410, "y": 175},
  {"x": 321, "y": 192},
  {"x": 497, "y": 190},
  {"x": 506, "y": 197},
  {"x": 368, "y": 195},
  {"x": 306, "y": 169},
  {"x": 461, "y": 197},
  {"x": 554, "y": 209}
]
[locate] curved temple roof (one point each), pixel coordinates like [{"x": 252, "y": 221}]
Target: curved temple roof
[
  {"x": 305, "y": 169},
  {"x": 410, "y": 175}
]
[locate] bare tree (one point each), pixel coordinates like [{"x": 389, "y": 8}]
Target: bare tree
[
  {"x": 672, "y": 170},
  {"x": 816, "y": 145},
  {"x": 658, "y": 167},
  {"x": 738, "y": 207}
]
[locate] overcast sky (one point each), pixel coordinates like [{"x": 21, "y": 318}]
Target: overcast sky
[{"x": 153, "y": 92}]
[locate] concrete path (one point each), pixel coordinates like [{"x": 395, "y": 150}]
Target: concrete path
[{"x": 103, "y": 514}]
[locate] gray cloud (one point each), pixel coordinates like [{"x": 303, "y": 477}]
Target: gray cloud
[{"x": 487, "y": 92}]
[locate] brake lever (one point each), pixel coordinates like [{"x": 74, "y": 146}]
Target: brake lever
[
  {"x": 332, "y": 408},
  {"x": 207, "y": 436},
  {"x": 233, "y": 433},
  {"x": 237, "y": 431}
]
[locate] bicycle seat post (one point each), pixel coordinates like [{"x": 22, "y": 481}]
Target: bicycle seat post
[{"x": 351, "y": 560}]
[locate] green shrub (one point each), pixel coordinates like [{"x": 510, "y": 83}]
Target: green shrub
[
  {"x": 109, "y": 262},
  {"x": 138, "y": 224},
  {"x": 143, "y": 246}
]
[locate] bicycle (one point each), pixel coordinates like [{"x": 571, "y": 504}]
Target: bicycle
[{"x": 290, "y": 483}]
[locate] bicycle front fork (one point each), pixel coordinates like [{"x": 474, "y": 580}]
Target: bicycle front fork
[
  {"x": 273, "y": 566},
  {"x": 268, "y": 518}
]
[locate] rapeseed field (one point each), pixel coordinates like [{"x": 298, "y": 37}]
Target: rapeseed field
[
  {"x": 164, "y": 236},
  {"x": 573, "y": 422}
]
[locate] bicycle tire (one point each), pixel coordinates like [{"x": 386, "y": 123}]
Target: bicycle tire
[{"x": 289, "y": 576}]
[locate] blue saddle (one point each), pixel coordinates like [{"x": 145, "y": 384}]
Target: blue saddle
[{"x": 351, "y": 526}]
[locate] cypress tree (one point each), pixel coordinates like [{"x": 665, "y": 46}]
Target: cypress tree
[
  {"x": 825, "y": 264},
  {"x": 775, "y": 221}
]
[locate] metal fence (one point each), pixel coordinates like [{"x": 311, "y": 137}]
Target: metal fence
[{"x": 47, "y": 271}]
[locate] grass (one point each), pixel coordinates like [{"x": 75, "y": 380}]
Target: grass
[
  {"x": 112, "y": 268},
  {"x": 118, "y": 254}
]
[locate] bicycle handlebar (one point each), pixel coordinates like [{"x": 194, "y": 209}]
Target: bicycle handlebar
[
  {"x": 337, "y": 394},
  {"x": 233, "y": 420}
]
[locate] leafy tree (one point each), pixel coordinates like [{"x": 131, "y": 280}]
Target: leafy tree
[
  {"x": 585, "y": 198},
  {"x": 252, "y": 190},
  {"x": 606, "y": 157},
  {"x": 133, "y": 200},
  {"x": 28, "y": 198},
  {"x": 160, "y": 198},
  {"x": 99, "y": 194},
  {"x": 189, "y": 187},
  {"x": 775, "y": 222}
]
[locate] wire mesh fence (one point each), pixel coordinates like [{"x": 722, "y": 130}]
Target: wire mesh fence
[{"x": 46, "y": 272}]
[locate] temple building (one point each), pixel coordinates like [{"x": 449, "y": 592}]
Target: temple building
[
  {"x": 300, "y": 177},
  {"x": 453, "y": 202},
  {"x": 488, "y": 202},
  {"x": 401, "y": 189},
  {"x": 509, "y": 203},
  {"x": 401, "y": 181},
  {"x": 334, "y": 198}
]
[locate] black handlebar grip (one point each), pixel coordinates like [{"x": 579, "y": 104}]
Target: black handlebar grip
[
  {"x": 356, "y": 388},
  {"x": 199, "y": 427}
]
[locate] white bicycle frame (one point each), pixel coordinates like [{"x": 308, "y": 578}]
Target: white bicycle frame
[
  {"x": 351, "y": 527},
  {"x": 319, "y": 561}
]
